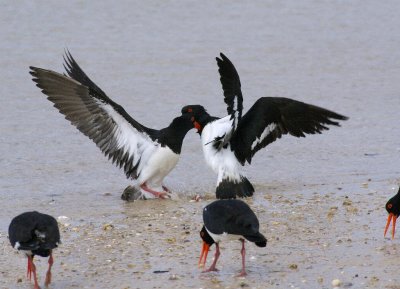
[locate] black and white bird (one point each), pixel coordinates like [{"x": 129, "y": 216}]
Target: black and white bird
[
  {"x": 35, "y": 234},
  {"x": 228, "y": 220},
  {"x": 231, "y": 141},
  {"x": 146, "y": 155},
  {"x": 393, "y": 209}
]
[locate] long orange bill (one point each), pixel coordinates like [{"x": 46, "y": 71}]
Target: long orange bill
[
  {"x": 203, "y": 255},
  {"x": 390, "y": 218}
]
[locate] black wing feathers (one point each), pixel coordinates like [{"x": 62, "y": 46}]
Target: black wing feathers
[
  {"x": 74, "y": 101},
  {"x": 231, "y": 86},
  {"x": 23, "y": 229},
  {"x": 232, "y": 217},
  {"x": 88, "y": 108},
  {"x": 271, "y": 117},
  {"x": 75, "y": 72}
]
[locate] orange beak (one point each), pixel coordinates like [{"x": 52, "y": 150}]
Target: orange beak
[
  {"x": 203, "y": 255},
  {"x": 390, "y": 218},
  {"x": 197, "y": 126}
]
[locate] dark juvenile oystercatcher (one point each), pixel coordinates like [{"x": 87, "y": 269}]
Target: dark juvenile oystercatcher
[
  {"x": 228, "y": 220},
  {"x": 35, "y": 234},
  {"x": 145, "y": 154},
  {"x": 393, "y": 208},
  {"x": 230, "y": 141}
]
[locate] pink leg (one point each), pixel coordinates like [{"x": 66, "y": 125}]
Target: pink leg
[
  {"x": 216, "y": 256},
  {"x": 160, "y": 195},
  {"x": 32, "y": 269},
  {"x": 48, "y": 274},
  {"x": 243, "y": 252},
  {"x": 29, "y": 269}
]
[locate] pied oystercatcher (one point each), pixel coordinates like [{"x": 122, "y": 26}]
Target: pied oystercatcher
[
  {"x": 145, "y": 154},
  {"x": 35, "y": 234},
  {"x": 393, "y": 208},
  {"x": 230, "y": 141},
  {"x": 228, "y": 219}
]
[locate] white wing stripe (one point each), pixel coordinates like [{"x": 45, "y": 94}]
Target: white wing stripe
[
  {"x": 264, "y": 134},
  {"x": 129, "y": 139}
]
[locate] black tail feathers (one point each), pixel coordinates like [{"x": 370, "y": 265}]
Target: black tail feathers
[
  {"x": 258, "y": 239},
  {"x": 261, "y": 244},
  {"x": 231, "y": 189}
]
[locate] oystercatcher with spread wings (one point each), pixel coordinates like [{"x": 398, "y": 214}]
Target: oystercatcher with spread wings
[
  {"x": 145, "y": 154},
  {"x": 233, "y": 140}
]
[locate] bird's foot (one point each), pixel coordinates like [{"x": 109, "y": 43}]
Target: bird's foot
[
  {"x": 211, "y": 269},
  {"x": 160, "y": 195},
  {"x": 166, "y": 189},
  {"x": 242, "y": 274},
  {"x": 164, "y": 195}
]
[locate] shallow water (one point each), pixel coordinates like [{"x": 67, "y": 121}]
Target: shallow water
[{"x": 153, "y": 58}]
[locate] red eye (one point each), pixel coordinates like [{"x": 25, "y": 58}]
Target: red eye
[
  {"x": 202, "y": 234},
  {"x": 190, "y": 110},
  {"x": 389, "y": 206}
]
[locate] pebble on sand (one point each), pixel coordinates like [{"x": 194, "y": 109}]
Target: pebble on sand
[{"x": 336, "y": 282}]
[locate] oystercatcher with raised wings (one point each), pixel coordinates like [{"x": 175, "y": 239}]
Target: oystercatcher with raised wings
[
  {"x": 228, "y": 220},
  {"x": 146, "y": 155},
  {"x": 393, "y": 209},
  {"x": 35, "y": 234},
  {"x": 231, "y": 141}
]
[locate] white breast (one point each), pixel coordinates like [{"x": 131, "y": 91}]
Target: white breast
[
  {"x": 160, "y": 163},
  {"x": 222, "y": 161}
]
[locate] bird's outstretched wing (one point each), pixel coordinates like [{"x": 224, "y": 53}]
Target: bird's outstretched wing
[
  {"x": 124, "y": 140},
  {"x": 232, "y": 96},
  {"x": 271, "y": 117},
  {"x": 232, "y": 88}
]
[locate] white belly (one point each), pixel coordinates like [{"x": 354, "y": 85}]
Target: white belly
[
  {"x": 160, "y": 164},
  {"x": 224, "y": 237}
]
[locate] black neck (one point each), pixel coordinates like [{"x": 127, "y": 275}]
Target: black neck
[
  {"x": 204, "y": 119},
  {"x": 173, "y": 135},
  {"x": 206, "y": 237}
]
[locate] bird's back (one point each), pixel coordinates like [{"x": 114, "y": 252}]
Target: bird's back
[
  {"x": 233, "y": 217},
  {"x": 34, "y": 231}
]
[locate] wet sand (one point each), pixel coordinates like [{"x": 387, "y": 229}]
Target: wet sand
[{"x": 332, "y": 234}]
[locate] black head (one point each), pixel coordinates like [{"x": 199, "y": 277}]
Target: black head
[
  {"x": 393, "y": 209},
  {"x": 206, "y": 237},
  {"x": 182, "y": 123},
  {"x": 393, "y": 205},
  {"x": 198, "y": 115}
]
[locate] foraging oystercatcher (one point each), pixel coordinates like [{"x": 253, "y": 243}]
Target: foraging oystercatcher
[
  {"x": 146, "y": 155},
  {"x": 228, "y": 219},
  {"x": 230, "y": 141},
  {"x": 35, "y": 234},
  {"x": 393, "y": 208}
]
